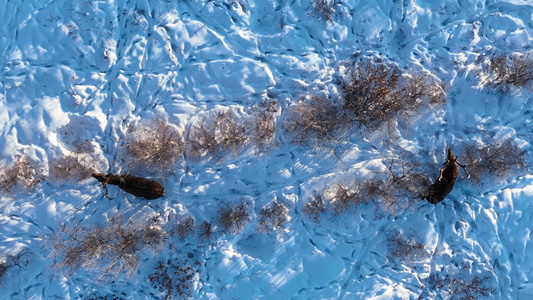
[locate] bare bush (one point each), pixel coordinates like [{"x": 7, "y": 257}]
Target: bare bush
[
  {"x": 456, "y": 288},
  {"x": 23, "y": 172},
  {"x": 20, "y": 260},
  {"x": 503, "y": 72},
  {"x": 417, "y": 88},
  {"x": 153, "y": 146},
  {"x": 109, "y": 250},
  {"x": 344, "y": 197},
  {"x": 206, "y": 230},
  {"x": 394, "y": 193},
  {"x": 184, "y": 227},
  {"x": 234, "y": 217},
  {"x": 264, "y": 124},
  {"x": 406, "y": 249},
  {"x": 219, "y": 133},
  {"x": 407, "y": 179},
  {"x": 315, "y": 120},
  {"x": 77, "y": 165},
  {"x": 273, "y": 217},
  {"x": 376, "y": 93},
  {"x": 315, "y": 208},
  {"x": 367, "y": 93},
  {"x": 499, "y": 160},
  {"x": 373, "y": 189},
  {"x": 173, "y": 279},
  {"x": 325, "y": 8}
]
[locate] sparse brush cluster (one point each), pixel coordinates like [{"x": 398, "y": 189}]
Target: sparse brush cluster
[
  {"x": 392, "y": 192},
  {"x": 374, "y": 94},
  {"x": 117, "y": 247},
  {"x": 153, "y": 147},
  {"x": 106, "y": 250}
]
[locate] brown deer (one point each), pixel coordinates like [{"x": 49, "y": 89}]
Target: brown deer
[
  {"x": 137, "y": 186},
  {"x": 436, "y": 192}
]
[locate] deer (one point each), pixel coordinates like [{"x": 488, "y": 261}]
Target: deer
[
  {"x": 436, "y": 192},
  {"x": 137, "y": 186}
]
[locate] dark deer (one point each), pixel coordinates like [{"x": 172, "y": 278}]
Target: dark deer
[
  {"x": 444, "y": 184},
  {"x": 137, "y": 186}
]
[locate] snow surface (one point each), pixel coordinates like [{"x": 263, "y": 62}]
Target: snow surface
[{"x": 86, "y": 70}]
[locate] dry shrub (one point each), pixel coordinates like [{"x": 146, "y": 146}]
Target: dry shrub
[
  {"x": 216, "y": 134},
  {"x": 367, "y": 93},
  {"x": 377, "y": 93},
  {"x": 396, "y": 193},
  {"x": 206, "y": 230},
  {"x": 20, "y": 260},
  {"x": 419, "y": 88},
  {"x": 184, "y": 227},
  {"x": 234, "y": 217},
  {"x": 107, "y": 250},
  {"x": 406, "y": 249},
  {"x": 325, "y": 8},
  {"x": 344, "y": 197},
  {"x": 315, "y": 120},
  {"x": 153, "y": 146},
  {"x": 315, "y": 208},
  {"x": 503, "y": 72},
  {"x": 458, "y": 288},
  {"x": 264, "y": 124},
  {"x": 273, "y": 217},
  {"x": 23, "y": 172},
  {"x": 77, "y": 165},
  {"x": 407, "y": 179},
  {"x": 500, "y": 160},
  {"x": 173, "y": 279}
]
